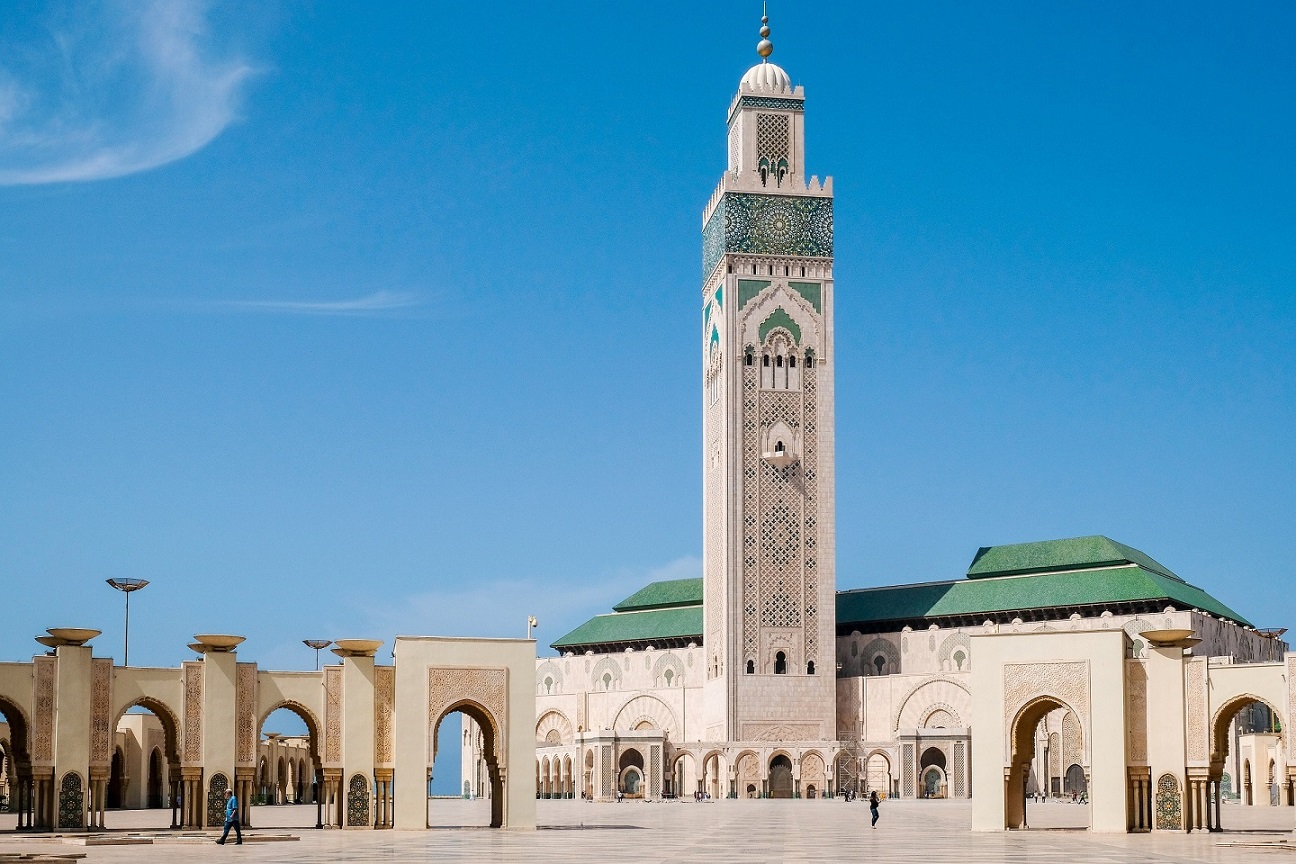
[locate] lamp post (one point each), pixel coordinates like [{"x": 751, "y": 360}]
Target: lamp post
[
  {"x": 127, "y": 587},
  {"x": 532, "y": 621},
  {"x": 317, "y": 644}
]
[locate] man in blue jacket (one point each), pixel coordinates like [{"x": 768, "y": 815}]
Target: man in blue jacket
[{"x": 231, "y": 819}]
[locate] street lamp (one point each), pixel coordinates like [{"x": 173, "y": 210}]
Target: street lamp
[
  {"x": 127, "y": 586},
  {"x": 532, "y": 621},
  {"x": 317, "y": 644}
]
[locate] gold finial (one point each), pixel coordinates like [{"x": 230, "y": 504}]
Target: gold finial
[{"x": 764, "y": 47}]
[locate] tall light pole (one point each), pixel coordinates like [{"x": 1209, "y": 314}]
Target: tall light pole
[
  {"x": 532, "y": 621},
  {"x": 317, "y": 644},
  {"x": 127, "y": 587}
]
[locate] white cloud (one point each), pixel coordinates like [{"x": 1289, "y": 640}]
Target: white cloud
[
  {"x": 116, "y": 88},
  {"x": 500, "y": 609},
  {"x": 379, "y": 301}
]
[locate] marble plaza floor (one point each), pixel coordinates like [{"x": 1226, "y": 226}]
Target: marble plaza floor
[{"x": 748, "y": 831}]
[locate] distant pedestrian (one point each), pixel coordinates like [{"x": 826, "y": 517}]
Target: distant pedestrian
[
  {"x": 874, "y": 801},
  {"x": 231, "y": 819}
]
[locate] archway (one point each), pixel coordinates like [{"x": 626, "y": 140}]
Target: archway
[
  {"x": 1252, "y": 716},
  {"x": 877, "y": 774},
  {"x": 445, "y": 813},
  {"x": 931, "y": 774},
  {"x": 116, "y": 780},
  {"x": 146, "y": 764},
  {"x": 780, "y": 777},
  {"x": 630, "y": 773},
  {"x": 289, "y": 775},
  {"x": 1074, "y": 782},
  {"x": 18, "y": 773},
  {"x": 714, "y": 783},
  {"x": 1023, "y": 734},
  {"x": 156, "y": 776},
  {"x": 588, "y": 781}
]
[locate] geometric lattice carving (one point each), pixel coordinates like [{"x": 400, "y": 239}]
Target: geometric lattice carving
[
  {"x": 960, "y": 788},
  {"x": 357, "y": 807},
  {"x": 216, "y": 799},
  {"x": 907, "y": 770},
  {"x": 645, "y": 709},
  {"x": 606, "y": 763},
  {"x": 758, "y": 730},
  {"x": 193, "y": 714},
  {"x": 772, "y": 136},
  {"x": 654, "y": 770},
  {"x": 1169, "y": 805},
  {"x": 71, "y": 802}
]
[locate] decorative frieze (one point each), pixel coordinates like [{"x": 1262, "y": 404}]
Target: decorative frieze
[
  {"x": 486, "y": 686},
  {"x": 245, "y": 714},
  {"x": 45, "y": 672}
]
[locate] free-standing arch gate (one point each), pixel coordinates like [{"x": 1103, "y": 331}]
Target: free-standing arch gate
[{"x": 493, "y": 682}]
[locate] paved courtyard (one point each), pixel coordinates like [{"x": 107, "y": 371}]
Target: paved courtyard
[{"x": 755, "y": 831}]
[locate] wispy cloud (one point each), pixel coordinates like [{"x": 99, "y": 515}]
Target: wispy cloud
[
  {"x": 501, "y": 608},
  {"x": 379, "y": 301},
  {"x": 117, "y": 87}
]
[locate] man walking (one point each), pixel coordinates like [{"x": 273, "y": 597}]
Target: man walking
[{"x": 231, "y": 819}]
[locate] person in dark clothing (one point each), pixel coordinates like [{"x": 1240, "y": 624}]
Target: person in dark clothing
[
  {"x": 231, "y": 819},
  {"x": 874, "y": 801}
]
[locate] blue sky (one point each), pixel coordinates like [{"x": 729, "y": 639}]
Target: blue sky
[{"x": 354, "y": 320}]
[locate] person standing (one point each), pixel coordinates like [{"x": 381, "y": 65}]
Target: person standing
[
  {"x": 874, "y": 801},
  {"x": 231, "y": 819}
]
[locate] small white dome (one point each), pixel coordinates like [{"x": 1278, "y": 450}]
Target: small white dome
[{"x": 767, "y": 76}]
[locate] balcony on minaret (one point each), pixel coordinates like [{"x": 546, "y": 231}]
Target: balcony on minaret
[{"x": 780, "y": 446}]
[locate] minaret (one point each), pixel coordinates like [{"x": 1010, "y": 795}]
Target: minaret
[{"x": 767, "y": 361}]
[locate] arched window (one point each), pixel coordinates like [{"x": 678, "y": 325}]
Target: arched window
[
  {"x": 751, "y": 667},
  {"x": 780, "y": 663},
  {"x": 880, "y": 662},
  {"x": 810, "y": 668},
  {"x": 765, "y": 360},
  {"x": 778, "y": 361},
  {"x": 747, "y": 358},
  {"x": 809, "y": 360},
  {"x": 778, "y": 449},
  {"x": 792, "y": 362}
]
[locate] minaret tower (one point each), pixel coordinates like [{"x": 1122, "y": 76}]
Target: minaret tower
[{"x": 767, "y": 365}]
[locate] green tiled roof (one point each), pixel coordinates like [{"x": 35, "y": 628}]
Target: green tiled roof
[
  {"x": 987, "y": 594},
  {"x": 664, "y": 595},
  {"x": 678, "y": 623},
  {"x": 1073, "y": 554}
]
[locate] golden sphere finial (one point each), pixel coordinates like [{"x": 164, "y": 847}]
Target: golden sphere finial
[{"x": 764, "y": 47}]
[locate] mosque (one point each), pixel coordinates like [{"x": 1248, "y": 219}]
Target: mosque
[{"x": 762, "y": 679}]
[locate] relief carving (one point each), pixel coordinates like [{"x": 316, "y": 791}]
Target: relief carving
[
  {"x": 193, "y": 696},
  {"x": 45, "y": 671},
  {"x": 487, "y": 686},
  {"x": 101, "y": 672},
  {"x": 333, "y": 714},
  {"x": 245, "y": 714},
  {"x": 777, "y": 731},
  {"x": 1198, "y": 734},
  {"x": 1066, "y": 681},
  {"x": 1291, "y": 706},
  {"x": 384, "y": 704},
  {"x": 1136, "y": 692}
]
